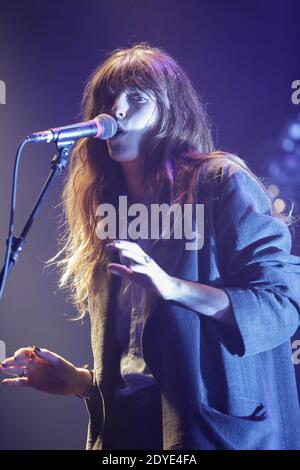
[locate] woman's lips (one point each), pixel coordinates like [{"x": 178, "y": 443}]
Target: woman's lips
[{"x": 117, "y": 135}]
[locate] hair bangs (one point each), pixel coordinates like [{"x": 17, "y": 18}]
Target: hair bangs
[{"x": 128, "y": 73}]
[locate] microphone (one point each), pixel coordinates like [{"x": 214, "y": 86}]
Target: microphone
[{"x": 102, "y": 126}]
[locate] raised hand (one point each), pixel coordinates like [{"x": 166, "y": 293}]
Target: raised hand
[{"x": 138, "y": 267}]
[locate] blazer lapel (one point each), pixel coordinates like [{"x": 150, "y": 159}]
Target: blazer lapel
[{"x": 101, "y": 308}]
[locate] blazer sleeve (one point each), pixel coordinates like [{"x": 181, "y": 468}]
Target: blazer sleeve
[{"x": 261, "y": 277}]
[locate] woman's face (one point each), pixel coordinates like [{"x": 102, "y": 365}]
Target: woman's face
[{"x": 136, "y": 113}]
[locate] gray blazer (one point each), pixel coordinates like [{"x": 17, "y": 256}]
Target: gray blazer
[{"x": 221, "y": 388}]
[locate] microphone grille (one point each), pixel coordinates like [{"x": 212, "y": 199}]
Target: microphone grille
[{"x": 109, "y": 126}]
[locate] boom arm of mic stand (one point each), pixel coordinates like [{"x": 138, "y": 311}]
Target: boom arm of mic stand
[{"x": 58, "y": 164}]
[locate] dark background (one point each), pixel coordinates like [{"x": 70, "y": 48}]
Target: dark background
[{"x": 241, "y": 55}]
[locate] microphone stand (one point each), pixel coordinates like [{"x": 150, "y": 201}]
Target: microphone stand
[{"x": 58, "y": 165}]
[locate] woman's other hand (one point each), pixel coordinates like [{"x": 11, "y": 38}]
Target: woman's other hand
[{"x": 46, "y": 371}]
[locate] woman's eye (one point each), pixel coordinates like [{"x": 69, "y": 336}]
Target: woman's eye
[{"x": 138, "y": 98}]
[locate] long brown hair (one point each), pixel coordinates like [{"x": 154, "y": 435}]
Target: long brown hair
[{"x": 179, "y": 151}]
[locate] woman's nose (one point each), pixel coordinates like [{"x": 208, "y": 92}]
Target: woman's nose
[{"x": 120, "y": 106}]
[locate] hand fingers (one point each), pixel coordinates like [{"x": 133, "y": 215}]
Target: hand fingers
[
  {"x": 24, "y": 353},
  {"x": 20, "y": 382},
  {"x": 23, "y": 356},
  {"x": 120, "y": 270},
  {"x": 131, "y": 257},
  {"x": 47, "y": 356},
  {"x": 126, "y": 245},
  {"x": 13, "y": 370},
  {"x": 12, "y": 362}
]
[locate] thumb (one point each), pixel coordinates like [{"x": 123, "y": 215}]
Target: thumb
[{"x": 46, "y": 355}]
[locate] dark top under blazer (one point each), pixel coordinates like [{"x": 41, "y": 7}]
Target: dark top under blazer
[{"x": 221, "y": 388}]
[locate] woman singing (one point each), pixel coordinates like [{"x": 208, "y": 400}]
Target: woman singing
[{"x": 191, "y": 341}]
